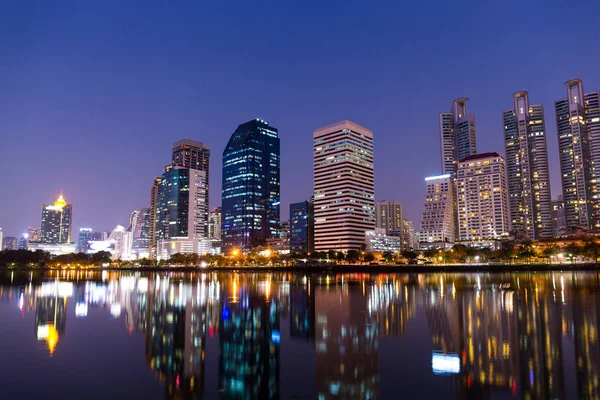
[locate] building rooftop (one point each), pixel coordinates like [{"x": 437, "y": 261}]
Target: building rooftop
[{"x": 480, "y": 156}]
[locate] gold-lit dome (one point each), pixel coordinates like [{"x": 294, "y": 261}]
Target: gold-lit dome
[{"x": 60, "y": 202}]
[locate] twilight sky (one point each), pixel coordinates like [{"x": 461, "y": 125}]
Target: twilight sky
[{"x": 93, "y": 94}]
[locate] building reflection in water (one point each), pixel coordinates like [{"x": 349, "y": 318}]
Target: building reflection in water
[{"x": 513, "y": 335}]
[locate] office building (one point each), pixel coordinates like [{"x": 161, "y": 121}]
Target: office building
[
  {"x": 559, "y": 226},
  {"x": 214, "y": 224},
  {"x": 154, "y": 217},
  {"x": 527, "y": 169},
  {"x": 388, "y": 216},
  {"x": 378, "y": 240},
  {"x": 1, "y": 240},
  {"x": 35, "y": 234},
  {"x": 410, "y": 240},
  {"x": 85, "y": 237},
  {"x": 457, "y": 134},
  {"x": 344, "y": 186},
  {"x": 24, "y": 242},
  {"x": 302, "y": 227},
  {"x": 482, "y": 197},
  {"x": 56, "y": 222},
  {"x": 182, "y": 208},
  {"x": 578, "y": 126},
  {"x": 438, "y": 216},
  {"x": 140, "y": 229},
  {"x": 10, "y": 243},
  {"x": 194, "y": 155},
  {"x": 251, "y": 188}
]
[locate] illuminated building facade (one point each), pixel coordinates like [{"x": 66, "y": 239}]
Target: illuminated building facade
[
  {"x": 578, "y": 126},
  {"x": 251, "y": 187},
  {"x": 438, "y": 216},
  {"x": 527, "y": 169},
  {"x": 344, "y": 186},
  {"x": 140, "y": 229},
  {"x": 35, "y": 234},
  {"x": 56, "y": 222},
  {"x": 155, "y": 232},
  {"x": 559, "y": 226},
  {"x": 388, "y": 216},
  {"x": 457, "y": 135},
  {"x": 85, "y": 237},
  {"x": 302, "y": 227},
  {"x": 214, "y": 224},
  {"x": 10, "y": 243},
  {"x": 482, "y": 197},
  {"x": 377, "y": 240}
]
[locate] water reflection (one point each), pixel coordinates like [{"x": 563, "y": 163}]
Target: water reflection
[{"x": 529, "y": 336}]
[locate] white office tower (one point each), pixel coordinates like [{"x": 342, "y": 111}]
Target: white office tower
[{"x": 438, "y": 217}]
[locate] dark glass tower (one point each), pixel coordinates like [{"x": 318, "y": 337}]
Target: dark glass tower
[
  {"x": 302, "y": 227},
  {"x": 250, "y": 197}
]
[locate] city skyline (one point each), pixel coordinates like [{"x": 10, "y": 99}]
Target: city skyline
[{"x": 201, "y": 116}]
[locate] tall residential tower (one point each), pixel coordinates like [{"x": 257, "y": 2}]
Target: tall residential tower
[
  {"x": 344, "y": 185},
  {"x": 527, "y": 169},
  {"x": 457, "y": 134}
]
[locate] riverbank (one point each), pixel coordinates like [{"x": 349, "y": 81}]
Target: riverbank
[{"x": 460, "y": 268}]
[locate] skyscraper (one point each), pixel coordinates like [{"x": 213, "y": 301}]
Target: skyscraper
[
  {"x": 251, "y": 189},
  {"x": 85, "y": 237},
  {"x": 559, "y": 227},
  {"x": 438, "y": 216},
  {"x": 182, "y": 211},
  {"x": 482, "y": 197},
  {"x": 388, "y": 216},
  {"x": 457, "y": 134},
  {"x": 302, "y": 227},
  {"x": 1, "y": 240},
  {"x": 35, "y": 234},
  {"x": 56, "y": 222},
  {"x": 344, "y": 186},
  {"x": 527, "y": 169},
  {"x": 154, "y": 217},
  {"x": 141, "y": 233},
  {"x": 214, "y": 224},
  {"x": 195, "y": 155},
  {"x": 10, "y": 243},
  {"x": 578, "y": 126}
]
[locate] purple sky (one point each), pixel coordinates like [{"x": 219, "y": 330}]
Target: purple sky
[{"x": 93, "y": 95}]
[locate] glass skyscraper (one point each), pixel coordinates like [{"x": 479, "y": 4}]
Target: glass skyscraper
[
  {"x": 250, "y": 192},
  {"x": 302, "y": 226}
]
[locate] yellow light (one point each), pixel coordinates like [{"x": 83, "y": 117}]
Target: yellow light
[
  {"x": 52, "y": 338},
  {"x": 235, "y": 252}
]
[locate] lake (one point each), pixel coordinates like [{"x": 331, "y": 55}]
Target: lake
[{"x": 226, "y": 335}]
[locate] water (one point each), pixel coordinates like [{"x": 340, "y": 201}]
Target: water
[{"x": 109, "y": 335}]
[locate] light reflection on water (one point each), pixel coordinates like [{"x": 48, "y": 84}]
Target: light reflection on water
[{"x": 283, "y": 335}]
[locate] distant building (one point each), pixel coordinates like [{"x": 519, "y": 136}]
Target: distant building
[
  {"x": 183, "y": 207},
  {"x": 24, "y": 241},
  {"x": 388, "y": 216},
  {"x": 141, "y": 234},
  {"x": 10, "y": 243},
  {"x": 438, "y": 216},
  {"x": 482, "y": 197},
  {"x": 344, "y": 186},
  {"x": 251, "y": 187},
  {"x": 457, "y": 135},
  {"x": 410, "y": 240},
  {"x": 154, "y": 216},
  {"x": 302, "y": 228},
  {"x": 1, "y": 240},
  {"x": 559, "y": 226},
  {"x": 214, "y": 224},
  {"x": 527, "y": 169},
  {"x": 35, "y": 234},
  {"x": 56, "y": 222},
  {"x": 578, "y": 127},
  {"x": 378, "y": 241},
  {"x": 85, "y": 237}
]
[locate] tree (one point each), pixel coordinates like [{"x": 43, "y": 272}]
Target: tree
[
  {"x": 550, "y": 251},
  {"x": 101, "y": 257},
  {"x": 388, "y": 256},
  {"x": 332, "y": 255},
  {"x": 591, "y": 249},
  {"x": 526, "y": 251},
  {"x": 340, "y": 256},
  {"x": 410, "y": 255},
  {"x": 430, "y": 253},
  {"x": 369, "y": 257},
  {"x": 353, "y": 256},
  {"x": 573, "y": 250}
]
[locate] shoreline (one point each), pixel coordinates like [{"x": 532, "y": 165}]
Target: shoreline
[{"x": 377, "y": 269}]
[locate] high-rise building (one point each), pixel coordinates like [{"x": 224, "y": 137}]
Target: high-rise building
[
  {"x": 251, "y": 186},
  {"x": 410, "y": 241},
  {"x": 85, "y": 237},
  {"x": 10, "y": 243},
  {"x": 344, "y": 186},
  {"x": 482, "y": 197},
  {"x": 56, "y": 222},
  {"x": 302, "y": 227},
  {"x": 438, "y": 216},
  {"x": 578, "y": 126},
  {"x": 35, "y": 234},
  {"x": 388, "y": 216},
  {"x": 559, "y": 226},
  {"x": 1, "y": 240},
  {"x": 154, "y": 217},
  {"x": 457, "y": 134},
  {"x": 194, "y": 155},
  {"x": 214, "y": 224},
  {"x": 183, "y": 207},
  {"x": 24, "y": 241},
  {"x": 141, "y": 233},
  {"x": 527, "y": 169}
]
